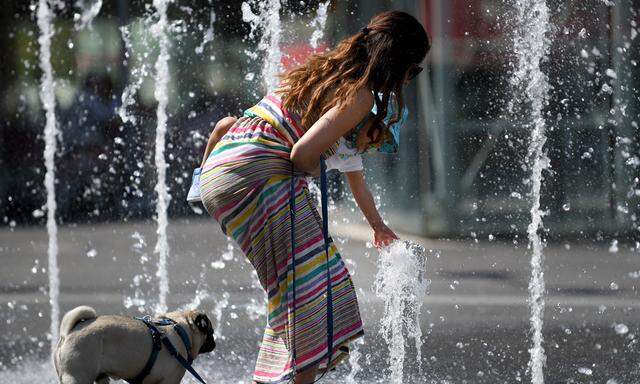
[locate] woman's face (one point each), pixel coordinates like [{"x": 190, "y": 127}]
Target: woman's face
[{"x": 412, "y": 72}]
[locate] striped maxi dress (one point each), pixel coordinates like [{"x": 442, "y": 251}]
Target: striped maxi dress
[{"x": 245, "y": 186}]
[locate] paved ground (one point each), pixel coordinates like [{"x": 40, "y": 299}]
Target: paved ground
[{"x": 476, "y": 315}]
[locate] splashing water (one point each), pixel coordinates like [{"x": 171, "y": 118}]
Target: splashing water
[
  {"x": 318, "y": 24},
  {"x": 257, "y": 307},
  {"x": 45, "y": 17},
  {"x": 354, "y": 361},
  {"x": 203, "y": 295},
  {"x": 208, "y": 35},
  {"x": 217, "y": 312},
  {"x": 139, "y": 299},
  {"x": 273, "y": 30},
  {"x": 138, "y": 75},
  {"x": 531, "y": 47},
  {"x": 162, "y": 83},
  {"x": 89, "y": 9},
  {"x": 401, "y": 282},
  {"x": 225, "y": 257},
  {"x": 268, "y": 20}
]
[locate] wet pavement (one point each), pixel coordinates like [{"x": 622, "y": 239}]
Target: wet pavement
[{"x": 475, "y": 316}]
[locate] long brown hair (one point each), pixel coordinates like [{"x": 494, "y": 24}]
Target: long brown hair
[{"x": 377, "y": 57}]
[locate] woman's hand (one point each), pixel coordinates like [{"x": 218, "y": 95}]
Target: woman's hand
[
  {"x": 221, "y": 128},
  {"x": 383, "y": 235},
  {"x": 314, "y": 172},
  {"x": 362, "y": 140}
]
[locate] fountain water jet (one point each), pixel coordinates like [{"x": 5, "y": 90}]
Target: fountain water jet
[
  {"x": 318, "y": 24},
  {"x": 354, "y": 362},
  {"x": 268, "y": 20},
  {"x": 45, "y": 17},
  {"x": 531, "y": 47},
  {"x": 402, "y": 284},
  {"x": 209, "y": 33},
  {"x": 89, "y": 10},
  {"x": 162, "y": 82},
  {"x": 138, "y": 73}
]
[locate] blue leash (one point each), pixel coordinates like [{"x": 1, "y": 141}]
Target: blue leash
[{"x": 325, "y": 234}]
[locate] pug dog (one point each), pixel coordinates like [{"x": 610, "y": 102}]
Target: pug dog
[{"x": 95, "y": 348}]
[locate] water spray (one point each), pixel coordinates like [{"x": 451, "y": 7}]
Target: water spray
[
  {"x": 531, "y": 47},
  {"x": 402, "y": 283},
  {"x": 161, "y": 93},
  {"x": 45, "y": 16},
  {"x": 268, "y": 20}
]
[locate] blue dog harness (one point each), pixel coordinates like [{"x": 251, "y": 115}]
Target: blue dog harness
[{"x": 159, "y": 339}]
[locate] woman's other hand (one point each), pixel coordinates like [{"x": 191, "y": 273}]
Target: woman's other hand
[
  {"x": 362, "y": 140},
  {"x": 383, "y": 235},
  {"x": 221, "y": 128},
  {"x": 314, "y": 172}
]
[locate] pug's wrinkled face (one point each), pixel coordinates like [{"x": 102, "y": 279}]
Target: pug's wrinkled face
[{"x": 203, "y": 324}]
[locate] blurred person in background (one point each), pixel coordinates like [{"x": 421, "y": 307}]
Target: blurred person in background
[{"x": 87, "y": 127}]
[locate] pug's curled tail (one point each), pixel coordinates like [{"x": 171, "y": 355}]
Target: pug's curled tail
[{"x": 75, "y": 316}]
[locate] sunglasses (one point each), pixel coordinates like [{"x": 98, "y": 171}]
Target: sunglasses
[{"x": 414, "y": 71}]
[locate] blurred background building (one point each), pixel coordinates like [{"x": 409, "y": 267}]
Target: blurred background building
[{"x": 462, "y": 169}]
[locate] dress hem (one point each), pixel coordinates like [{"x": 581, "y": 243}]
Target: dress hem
[{"x": 337, "y": 357}]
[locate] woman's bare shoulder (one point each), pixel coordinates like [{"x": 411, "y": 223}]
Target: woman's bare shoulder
[
  {"x": 359, "y": 105},
  {"x": 362, "y": 95}
]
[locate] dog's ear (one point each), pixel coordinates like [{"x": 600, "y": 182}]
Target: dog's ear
[{"x": 202, "y": 322}]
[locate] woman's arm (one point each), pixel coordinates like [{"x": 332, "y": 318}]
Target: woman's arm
[
  {"x": 382, "y": 235},
  {"x": 221, "y": 128},
  {"x": 336, "y": 122}
]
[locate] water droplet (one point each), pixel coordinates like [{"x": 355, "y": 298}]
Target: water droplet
[
  {"x": 614, "y": 246},
  {"x": 606, "y": 88},
  {"x": 621, "y": 329},
  {"x": 585, "y": 371},
  {"x": 582, "y": 34},
  {"x": 38, "y": 213}
]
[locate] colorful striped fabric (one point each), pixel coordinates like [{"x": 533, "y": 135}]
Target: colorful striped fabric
[{"x": 245, "y": 186}]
